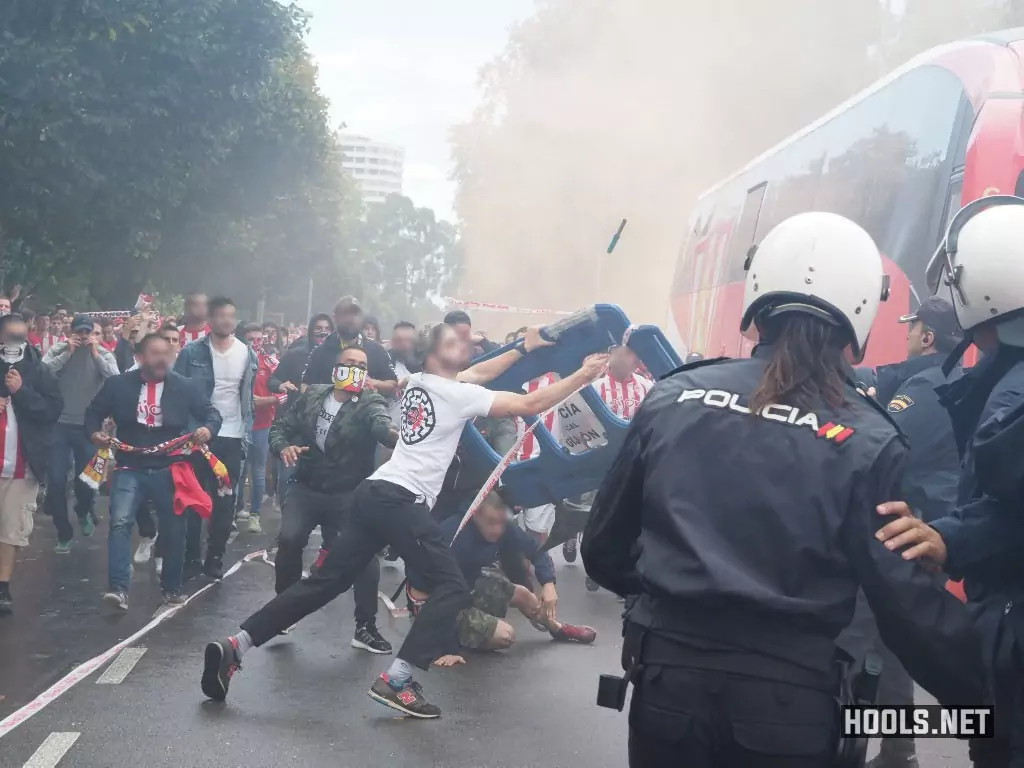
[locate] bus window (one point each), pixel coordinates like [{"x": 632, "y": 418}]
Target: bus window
[
  {"x": 743, "y": 237},
  {"x": 953, "y": 206}
]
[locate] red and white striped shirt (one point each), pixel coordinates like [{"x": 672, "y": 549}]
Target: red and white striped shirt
[
  {"x": 623, "y": 398},
  {"x": 150, "y": 411},
  {"x": 530, "y": 446},
  {"x": 42, "y": 343},
  {"x": 12, "y": 459},
  {"x": 187, "y": 336}
]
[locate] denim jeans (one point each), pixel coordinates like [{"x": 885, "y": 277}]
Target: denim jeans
[
  {"x": 256, "y": 464},
  {"x": 128, "y": 489},
  {"x": 71, "y": 449}
]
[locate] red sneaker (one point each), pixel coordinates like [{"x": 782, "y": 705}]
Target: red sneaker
[{"x": 573, "y": 633}]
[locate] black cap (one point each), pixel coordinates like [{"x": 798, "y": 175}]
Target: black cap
[
  {"x": 939, "y": 315},
  {"x": 82, "y": 323}
]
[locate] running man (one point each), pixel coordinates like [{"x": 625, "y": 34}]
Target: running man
[{"x": 393, "y": 507}]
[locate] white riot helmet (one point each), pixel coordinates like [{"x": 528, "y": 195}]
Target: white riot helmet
[
  {"x": 980, "y": 266},
  {"x": 820, "y": 264}
]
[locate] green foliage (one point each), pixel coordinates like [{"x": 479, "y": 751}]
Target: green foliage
[
  {"x": 405, "y": 255},
  {"x": 179, "y": 143}
]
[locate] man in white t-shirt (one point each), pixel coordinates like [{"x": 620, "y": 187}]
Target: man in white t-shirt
[
  {"x": 224, "y": 367},
  {"x": 393, "y": 507}
]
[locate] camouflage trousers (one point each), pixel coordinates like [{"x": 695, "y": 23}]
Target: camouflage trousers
[{"x": 492, "y": 594}]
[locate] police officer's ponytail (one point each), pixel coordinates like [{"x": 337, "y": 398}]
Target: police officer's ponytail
[{"x": 806, "y": 367}]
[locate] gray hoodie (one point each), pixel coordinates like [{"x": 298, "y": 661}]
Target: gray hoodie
[{"x": 80, "y": 374}]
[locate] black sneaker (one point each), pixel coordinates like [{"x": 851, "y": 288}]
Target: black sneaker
[
  {"x": 221, "y": 663},
  {"x": 214, "y": 568},
  {"x": 173, "y": 597},
  {"x": 117, "y": 598},
  {"x": 569, "y": 550},
  {"x": 408, "y": 699},
  {"x": 7, "y": 605},
  {"x": 368, "y": 638}
]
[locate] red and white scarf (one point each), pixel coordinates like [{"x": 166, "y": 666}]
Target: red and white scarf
[{"x": 12, "y": 458}]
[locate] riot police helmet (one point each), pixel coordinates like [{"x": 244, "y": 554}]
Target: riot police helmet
[
  {"x": 820, "y": 264},
  {"x": 979, "y": 266}
]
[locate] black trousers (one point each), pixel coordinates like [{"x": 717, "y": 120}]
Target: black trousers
[
  {"x": 303, "y": 510},
  {"x": 229, "y": 451},
  {"x": 382, "y": 513},
  {"x": 690, "y": 711},
  {"x": 1002, "y": 633}
]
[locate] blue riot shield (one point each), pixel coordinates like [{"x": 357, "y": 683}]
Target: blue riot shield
[{"x": 556, "y": 473}]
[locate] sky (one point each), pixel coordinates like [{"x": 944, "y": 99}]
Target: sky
[{"x": 405, "y": 71}]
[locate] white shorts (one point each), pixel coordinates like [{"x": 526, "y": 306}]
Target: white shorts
[
  {"x": 538, "y": 519},
  {"x": 17, "y": 505}
]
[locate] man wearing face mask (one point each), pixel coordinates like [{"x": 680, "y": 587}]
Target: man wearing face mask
[
  {"x": 330, "y": 435},
  {"x": 150, "y": 406},
  {"x": 81, "y": 366},
  {"x": 30, "y": 404},
  {"x": 288, "y": 376},
  {"x": 348, "y": 319}
]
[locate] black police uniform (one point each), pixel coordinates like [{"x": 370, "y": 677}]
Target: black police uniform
[
  {"x": 932, "y": 472},
  {"x": 984, "y": 536},
  {"x": 744, "y": 541}
]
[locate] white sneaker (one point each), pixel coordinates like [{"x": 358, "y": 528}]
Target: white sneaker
[
  {"x": 254, "y": 524},
  {"x": 145, "y": 550},
  {"x": 243, "y": 514},
  {"x": 159, "y": 561}
]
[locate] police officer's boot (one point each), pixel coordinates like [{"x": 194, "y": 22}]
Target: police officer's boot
[{"x": 895, "y": 753}]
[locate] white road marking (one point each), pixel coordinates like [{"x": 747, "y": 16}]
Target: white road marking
[
  {"x": 121, "y": 666},
  {"x": 52, "y": 750}
]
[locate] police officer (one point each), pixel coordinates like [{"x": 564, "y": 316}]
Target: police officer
[
  {"x": 929, "y": 483},
  {"x": 981, "y": 265},
  {"x": 742, "y": 587}
]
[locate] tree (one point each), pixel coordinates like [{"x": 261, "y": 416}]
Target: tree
[
  {"x": 603, "y": 110},
  {"x": 403, "y": 255},
  {"x": 175, "y": 142}
]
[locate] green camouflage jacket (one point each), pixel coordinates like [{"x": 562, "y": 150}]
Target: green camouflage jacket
[{"x": 350, "y": 450}]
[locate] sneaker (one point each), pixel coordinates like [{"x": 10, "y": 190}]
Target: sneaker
[
  {"x": 408, "y": 699},
  {"x": 173, "y": 597},
  {"x": 575, "y": 633},
  {"x": 214, "y": 568},
  {"x": 63, "y": 547},
  {"x": 117, "y": 598},
  {"x": 7, "y": 605},
  {"x": 254, "y": 525},
  {"x": 592, "y": 585},
  {"x": 88, "y": 526},
  {"x": 368, "y": 638},
  {"x": 569, "y": 550},
  {"x": 243, "y": 514},
  {"x": 221, "y": 663},
  {"x": 145, "y": 550},
  {"x": 159, "y": 563}
]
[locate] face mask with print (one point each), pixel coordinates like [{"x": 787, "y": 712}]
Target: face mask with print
[
  {"x": 349, "y": 378},
  {"x": 320, "y": 334},
  {"x": 13, "y": 351}
]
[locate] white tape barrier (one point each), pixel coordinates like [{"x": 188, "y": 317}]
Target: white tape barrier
[{"x": 82, "y": 671}]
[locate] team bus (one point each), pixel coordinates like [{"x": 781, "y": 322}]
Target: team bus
[{"x": 899, "y": 158}]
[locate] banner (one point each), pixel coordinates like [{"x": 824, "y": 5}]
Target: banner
[{"x": 484, "y": 306}]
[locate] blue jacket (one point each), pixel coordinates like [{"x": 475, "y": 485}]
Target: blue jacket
[
  {"x": 196, "y": 362},
  {"x": 473, "y": 553},
  {"x": 932, "y": 474},
  {"x": 181, "y": 404},
  {"x": 984, "y": 536}
]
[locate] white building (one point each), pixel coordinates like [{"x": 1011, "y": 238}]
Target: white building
[{"x": 376, "y": 166}]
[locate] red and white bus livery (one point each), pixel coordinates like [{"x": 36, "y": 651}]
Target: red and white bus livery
[{"x": 899, "y": 159}]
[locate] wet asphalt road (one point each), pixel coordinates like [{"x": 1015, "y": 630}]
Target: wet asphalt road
[{"x": 301, "y": 698}]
